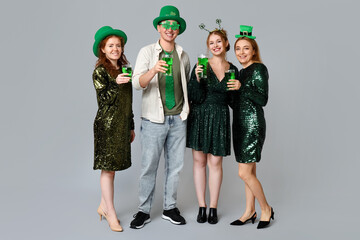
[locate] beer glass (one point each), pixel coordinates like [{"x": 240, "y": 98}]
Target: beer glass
[
  {"x": 203, "y": 61},
  {"x": 229, "y": 75},
  {"x": 127, "y": 69},
  {"x": 169, "y": 61}
]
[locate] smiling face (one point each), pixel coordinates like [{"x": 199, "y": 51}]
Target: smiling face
[
  {"x": 112, "y": 49},
  {"x": 167, "y": 35},
  {"x": 217, "y": 45},
  {"x": 217, "y": 42},
  {"x": 244, "y": 52}
]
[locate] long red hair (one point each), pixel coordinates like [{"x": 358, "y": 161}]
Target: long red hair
[{"x": 105, "y": 62}]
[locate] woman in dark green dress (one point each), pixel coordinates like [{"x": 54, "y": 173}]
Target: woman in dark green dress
[
  {"x": 208, "y": 132},
  {"x": 114, "y": 123},
  {"x": 249, "y": 124}
]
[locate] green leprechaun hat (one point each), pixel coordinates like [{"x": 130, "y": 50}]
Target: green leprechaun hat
[
  {"x": 245, "y": 31},
  {"x": 102, "y": 33},
  {"x": 170, "y": 13}
]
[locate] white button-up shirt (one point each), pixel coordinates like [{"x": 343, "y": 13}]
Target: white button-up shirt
[{"x": 152, "y": 108}]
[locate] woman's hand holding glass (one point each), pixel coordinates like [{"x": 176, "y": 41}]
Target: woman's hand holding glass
[
  {"x": 233, "y": 84},
  {"x": 198, "y": 71},
  {"x": 122, "y": 78}
]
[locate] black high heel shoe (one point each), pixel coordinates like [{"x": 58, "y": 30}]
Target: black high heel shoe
[
  {"x": 201, "y": 217},
  {"x": 213, "y": 218},
  {"x": 239, "y": 222},
  {"x": 264, "y": 224}
]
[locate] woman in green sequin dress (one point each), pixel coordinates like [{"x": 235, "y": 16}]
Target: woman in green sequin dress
[
  {"x": 249, "y": 126},
  {"x": 114, "y": 124},
  {"x": 208, "y": 132}
]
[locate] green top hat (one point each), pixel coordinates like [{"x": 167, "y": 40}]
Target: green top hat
[
  {"x": 102, "y": 33},
  {"x": 245, "y": 31},
  {"x": 170, "y": 13}
]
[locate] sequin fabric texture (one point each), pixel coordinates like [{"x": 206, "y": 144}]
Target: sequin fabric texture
[
  {"x": 248, "y": 116},
  {"x": 208, "y": 128},
  {"x": 113, "y": 122}
]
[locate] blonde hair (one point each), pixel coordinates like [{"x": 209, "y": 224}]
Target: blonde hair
[
  {"x": 222, "y": 34},
  {"x": 256, "y": 57}
]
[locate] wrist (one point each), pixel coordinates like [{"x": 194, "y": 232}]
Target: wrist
[{"x": 152, "y": 71}]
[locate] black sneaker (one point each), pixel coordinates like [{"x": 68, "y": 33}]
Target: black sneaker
[
  {"x": 173, "y": 215},
  {"x": 140, "y": 219}
]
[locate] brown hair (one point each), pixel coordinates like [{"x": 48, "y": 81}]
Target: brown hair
[
  {"x": 105, "y": 62},
  {"x": 256, "y": 57},
  {"x": 223, "y": 35}
]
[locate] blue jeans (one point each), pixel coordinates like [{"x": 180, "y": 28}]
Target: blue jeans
[{"x": 170, "y": 135}]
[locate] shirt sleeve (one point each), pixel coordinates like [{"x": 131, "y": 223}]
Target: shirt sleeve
[
  {"x": 106, "y": 88},
  {"x": 132, "y": 123},
  {"x": 258, "y": 93},
  {"x": 196, "y": 90},
  {"x": 187, "y": 68},
  {"x": 141, "y": 67}
]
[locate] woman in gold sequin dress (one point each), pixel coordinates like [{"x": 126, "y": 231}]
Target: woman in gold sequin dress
[
  {"x": 208, "y": 132},
  {"x": 249, "y": 124},
  {"x": 114, "y": 123}
]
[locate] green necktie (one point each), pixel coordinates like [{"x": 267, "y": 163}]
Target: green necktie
[{"x": 169, "y": 92}]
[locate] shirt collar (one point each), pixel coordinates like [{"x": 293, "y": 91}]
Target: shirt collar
[{"x": 159, "y": 48}]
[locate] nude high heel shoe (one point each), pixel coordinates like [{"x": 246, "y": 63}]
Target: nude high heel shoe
[
  {"x": 101, "y": 213},
  {"x": 113, "y": 226}
]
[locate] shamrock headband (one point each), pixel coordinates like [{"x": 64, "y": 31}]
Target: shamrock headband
[
  {"x": 167, "y": 25},
  {"x": 218, "y": 21}
]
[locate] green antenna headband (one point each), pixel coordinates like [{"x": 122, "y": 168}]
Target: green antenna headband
[{"x": 218, "y": 22}]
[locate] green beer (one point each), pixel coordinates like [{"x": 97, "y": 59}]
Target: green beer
[
  {"x": 169, "y": 61},
  {"x": 203, "y": 61},
  {"x": 127, "y": 69},
  {"x": 230, "y": 74}
]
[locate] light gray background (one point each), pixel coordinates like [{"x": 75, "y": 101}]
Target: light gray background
[{"x": 310, "y": 160}]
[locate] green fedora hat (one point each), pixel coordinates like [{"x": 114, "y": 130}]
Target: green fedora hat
[
  {"x": 102, "y": 33},
  {"x": 245, "y": 31},
  {"x": 170, "y": 13}
]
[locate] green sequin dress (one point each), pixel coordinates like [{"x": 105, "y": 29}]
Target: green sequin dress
[
  {"x": 248, "y": 114},
  {"x": 208, "y": 127},
  {"x": 113, "y": 122}
]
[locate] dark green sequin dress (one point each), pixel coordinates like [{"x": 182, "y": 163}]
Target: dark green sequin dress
[
  {"x": 208, "y": 127},
  {"x": 248, "y": 114},
  {"x": 113, "y": 122}
]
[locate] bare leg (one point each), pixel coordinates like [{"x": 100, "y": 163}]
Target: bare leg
[
  {"x": 107, "y": 196},
  {"x": 250, "y": 201},
  {"x": 246, "y": 173},
  {"x": 215, "y": 178},
  {"x": 102, "y": 203},
  {"x": 199, "y": 169}
]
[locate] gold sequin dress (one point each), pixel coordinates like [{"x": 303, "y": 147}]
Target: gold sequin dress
[
  {"x": 248, "y": 115},
  {"x": 113, "y": 122}
]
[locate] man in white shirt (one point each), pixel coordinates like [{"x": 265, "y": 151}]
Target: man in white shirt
[{"x": 164, "y": 112}]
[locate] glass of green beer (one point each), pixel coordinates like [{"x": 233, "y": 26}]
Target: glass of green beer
[
  {"x": 169, "y": 61},
  {"x": 127, "y": 69},
  {"x": 203, "y": 61},
  {"x": 229, "y": 75}
]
